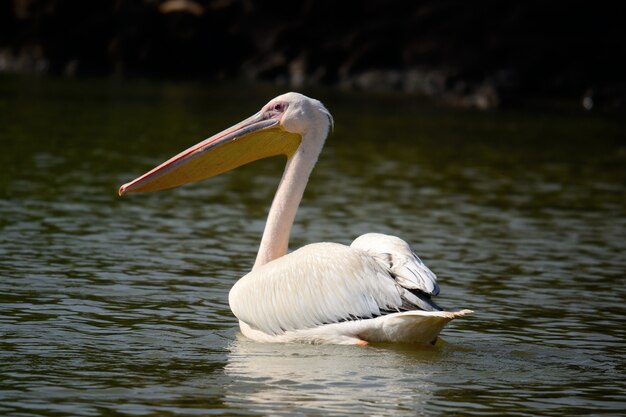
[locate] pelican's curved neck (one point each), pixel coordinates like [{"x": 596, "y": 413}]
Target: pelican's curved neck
[{"x": 275, "y": 241}]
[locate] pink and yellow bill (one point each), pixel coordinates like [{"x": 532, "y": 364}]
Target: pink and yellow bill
[{"x": 248, "y": 141}]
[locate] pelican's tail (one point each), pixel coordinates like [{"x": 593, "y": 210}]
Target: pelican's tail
[{"x": 417, "y": 327}]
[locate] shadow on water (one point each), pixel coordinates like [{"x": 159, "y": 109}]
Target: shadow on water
[{"x": 111, "y": 306}]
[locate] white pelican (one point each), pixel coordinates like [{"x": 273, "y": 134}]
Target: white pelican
[{"x": 375, "y": 290}]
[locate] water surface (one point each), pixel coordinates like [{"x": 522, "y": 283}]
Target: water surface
[{"x": 119, "y": 306}]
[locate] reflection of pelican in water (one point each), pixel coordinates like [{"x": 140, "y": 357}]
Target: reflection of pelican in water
[
  {"x": 374, "y": 290},
  {"x": 283, "y": 379}
]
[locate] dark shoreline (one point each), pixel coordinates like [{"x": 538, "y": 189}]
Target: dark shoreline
[{"x": 481, "y": 55}]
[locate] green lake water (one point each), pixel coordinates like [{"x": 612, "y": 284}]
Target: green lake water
[{"x": 119, "y": 306}]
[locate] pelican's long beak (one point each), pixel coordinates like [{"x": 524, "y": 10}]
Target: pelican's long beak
[{"x": 253, "y": 139}]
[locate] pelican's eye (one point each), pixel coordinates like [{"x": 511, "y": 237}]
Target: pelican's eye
[{"x": 275, "y": 110}]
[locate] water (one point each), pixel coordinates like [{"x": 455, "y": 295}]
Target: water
[{"x": 114, "y": 306}]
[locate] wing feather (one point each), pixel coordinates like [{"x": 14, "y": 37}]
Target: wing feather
[
  {"x": 317, "y": 284},
  {"x": 396, "y": 255}
]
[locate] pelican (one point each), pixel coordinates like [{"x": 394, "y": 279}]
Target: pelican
[{"x": 375, "y": 290}]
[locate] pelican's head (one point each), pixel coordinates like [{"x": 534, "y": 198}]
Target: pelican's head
[
  {"x": 277, "y": 129},
  {"x": 298, "y": 113}
]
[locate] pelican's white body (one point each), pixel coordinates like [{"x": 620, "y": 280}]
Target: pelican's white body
[{"x": 332, "y": 293}]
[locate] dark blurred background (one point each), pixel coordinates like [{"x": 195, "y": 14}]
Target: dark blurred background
[{"x": 473, "y": 54}]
